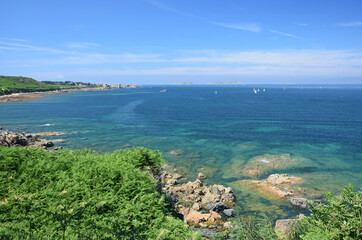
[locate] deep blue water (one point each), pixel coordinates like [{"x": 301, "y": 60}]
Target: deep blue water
[{"x": 219, "y": 128}]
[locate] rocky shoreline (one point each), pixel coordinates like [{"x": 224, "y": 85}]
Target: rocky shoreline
[
  {"x": 12, "y": 139},
  {"x": 204, "y": 208},
  {"x": 21, "y": 97}
]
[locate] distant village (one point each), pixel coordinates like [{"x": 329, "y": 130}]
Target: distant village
[{"x": 107, "y": 86}]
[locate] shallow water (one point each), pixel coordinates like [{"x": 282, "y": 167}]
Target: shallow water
[{"x": 320, "y": 127}]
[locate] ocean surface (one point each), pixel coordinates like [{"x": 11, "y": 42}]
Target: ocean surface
[{"x": 219, "y": 130}]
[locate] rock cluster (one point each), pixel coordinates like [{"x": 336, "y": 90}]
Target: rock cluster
[
  {"x": 201, "y": 205},
  {"x": 279, "y": 185},
  {"x": 10, "y": 139}
]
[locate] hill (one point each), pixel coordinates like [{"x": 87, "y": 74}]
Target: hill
[{"x": 12, "y": 84}]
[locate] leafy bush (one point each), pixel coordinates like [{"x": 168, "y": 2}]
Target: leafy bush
[
  {"x": 339, "y": 218},
  {"x": 253, "y": 227},
  {"x": 83, "y": 195}
]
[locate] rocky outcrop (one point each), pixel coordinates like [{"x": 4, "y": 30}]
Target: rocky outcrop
[
  {"x": 199, "y": 204},
  {"x": 299, "y": 202},
  {"x": 10, "y": 139},
  {"x": 278, "y": 185},
  {"x": 196, "y": 191}
]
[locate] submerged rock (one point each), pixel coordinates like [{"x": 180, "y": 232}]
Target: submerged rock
[
  {"x": 229, "y": 212},
  {"x": 177, "y": 152},
  {"x": 259, "y": 165},
  {"x": 277, "y": 185},
  {"x": 47, "y": 134},
  {"x": 299, "y": 202},
  {"x": 201, "y": 176}
]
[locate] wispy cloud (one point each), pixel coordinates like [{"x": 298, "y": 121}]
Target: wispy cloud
[
  {"x": 247, "y": 71},
  {"x": 351, "y": 24},
  {"x": 82, "y": 45},
  {"x": 252, "y": 27},
  {"x": 13, "y": 39},
  {"x": 307, "y": 62},
  {"x": 284, "y": 34},
  {"x": 169, "y": 9},
  {"x": 21, "y": 46}
]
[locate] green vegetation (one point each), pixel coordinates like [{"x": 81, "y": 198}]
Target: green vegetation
[
  {"x": 83, "y": 195},
  {"x": 339, "y": 218},
  {"x": 10, "y": 84},
  {"x": 253, "y": 227},
  {"x": 69, "y": 84}
]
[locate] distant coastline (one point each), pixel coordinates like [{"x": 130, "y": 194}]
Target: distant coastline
[
  {"x": 21, "y": 97},
  {"x": 184, "y": 83},
  {"x": 225, "y": 83},
  {"x": 18, "y": 89}
]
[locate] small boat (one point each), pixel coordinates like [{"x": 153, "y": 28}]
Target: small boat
[
  {"x": 215, "y": 92},
  {"x": 164, "y": 90},
  {"x": 264, "y": 90}
]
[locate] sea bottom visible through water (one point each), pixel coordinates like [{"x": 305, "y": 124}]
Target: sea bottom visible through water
[{"x": 230, "y": 134}]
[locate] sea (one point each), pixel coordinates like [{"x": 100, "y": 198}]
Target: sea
[{"x": 217, "y": 130}]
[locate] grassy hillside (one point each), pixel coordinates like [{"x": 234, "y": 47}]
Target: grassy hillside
[
  {"x": 83, "y": 195},
  {"x": 11, "y": 84}
]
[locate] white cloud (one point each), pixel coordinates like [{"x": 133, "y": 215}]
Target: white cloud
[
  {"x": 13, "y": 39},
  {"x": 82, "y": 45},
  {"x": 249, "y": 71},
  {"x": 252, "y": 27},
  {"x": 286, "y": 62},
  {"x": 169, "y": 9},
  {"x": 351, "y": 24},
  {"x": 22, "y": 47},
  {"x": 284, "y": 34}
]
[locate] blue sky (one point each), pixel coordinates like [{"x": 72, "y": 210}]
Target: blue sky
[{"x": 200, "y": 41}]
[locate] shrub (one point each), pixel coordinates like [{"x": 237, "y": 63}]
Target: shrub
[
  {"x": 253, "y": 227},
  {"x": 83, "y": 195},
  {"x": 340, "y": 217}
]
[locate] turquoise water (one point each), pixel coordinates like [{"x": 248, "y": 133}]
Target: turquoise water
[{"x": 219, "y": 128}]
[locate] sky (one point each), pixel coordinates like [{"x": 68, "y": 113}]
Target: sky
[{"x": 169, "y": 41}]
